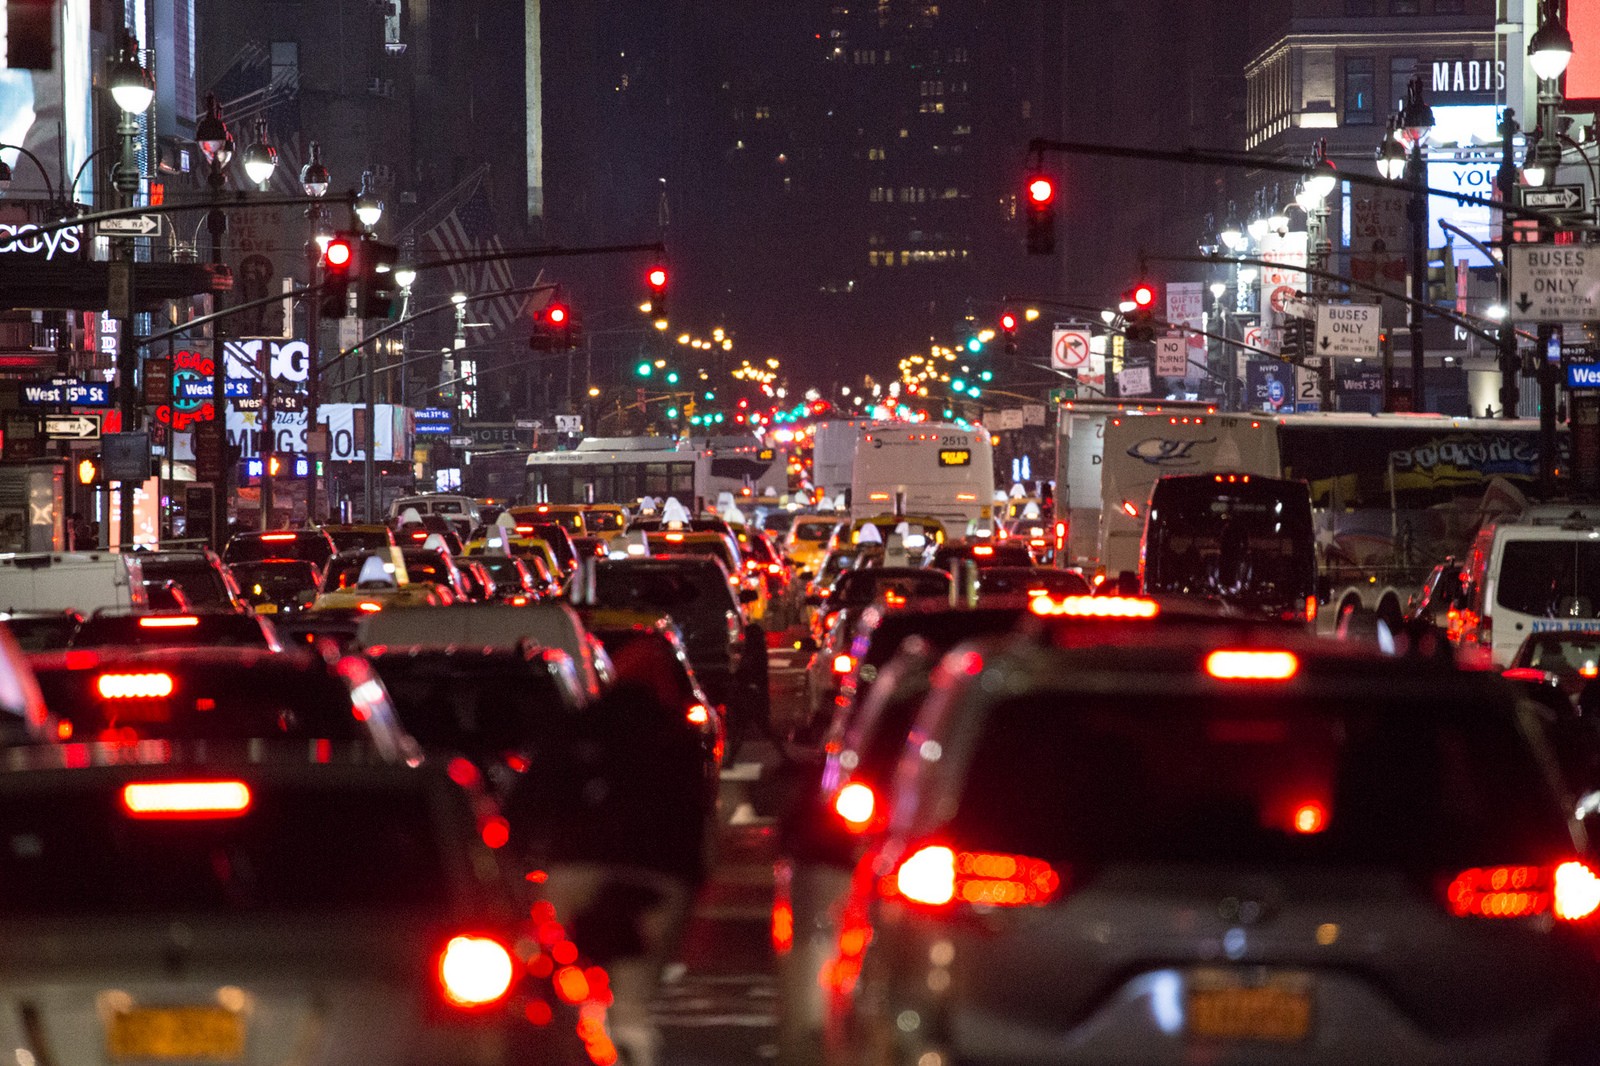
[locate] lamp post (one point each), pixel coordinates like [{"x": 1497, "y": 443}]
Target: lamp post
[
  {"x": 1506, "y": 181},
  {"x": 368, "y": 210},
  {"x": 1549, "y": 51},
  {"x": 133, "y": 89},
  {"x": 216, "y": 146},
  {"x": 314, "y": 180},
  {"x": 5, "y": 172},
  {"x": 1312, "y": 197},
  {"x": 260, "y": 160},
  {"x": 1401, "y": 153}
]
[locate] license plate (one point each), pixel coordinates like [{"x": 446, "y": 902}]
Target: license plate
[
  {"x": 266, "y": 608},
  {"x": 189, "y": 1034},
  {"x": 1226, "y": 1007}
]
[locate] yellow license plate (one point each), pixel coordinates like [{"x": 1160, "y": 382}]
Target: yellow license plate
[
  {"x": 1277, "y": 1011},
  {"x": 192, "y": 1034},
  {"x": 266, "y": 608}
]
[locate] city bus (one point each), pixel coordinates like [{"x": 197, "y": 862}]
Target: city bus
[
  {"x": 927, "y": 468},
  {"x": 625, "y": 469},
  {"x": 1242, "y": 540},
  {"x": 1391, "y": 494}
]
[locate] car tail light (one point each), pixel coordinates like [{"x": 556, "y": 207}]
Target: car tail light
[
  {"x": 186, "y": 799},
  {"x": 675, "y": 537},
  {"x": 782, "y": 928},
  {"x": 182, "y": 621},
  {"x": 936, "y": 875},
  {"x": 1252, "y": 665},
  {"x": 856, "y": 803},
  {"x": 368, "y": 606},
  {"x": 843, "y": 663},
  {"x": 148, "y": 686},
  {"x": 774, "y": 569},
  {"x": 1311, "y": 608},
  {"x": 698, "y": 714},
  {"x": 1130, "y": 509},
  {"x": 524, "y": 529},
  {"x": 1526, "y": 673},
  {"x": 983, "y": 551},
  {"x": 1569, "y": 890},
  {"x": 277, "y": 537},
  {"x": 1094, "y": 607},
  {"x": 1310, "y": 817},
  {"x": 475, "y": 971}
]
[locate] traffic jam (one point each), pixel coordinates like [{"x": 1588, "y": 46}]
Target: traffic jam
[{"x": 475, "y": 784}]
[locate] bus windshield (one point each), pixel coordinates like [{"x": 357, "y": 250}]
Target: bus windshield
[{"x": 1247, "y": 541}]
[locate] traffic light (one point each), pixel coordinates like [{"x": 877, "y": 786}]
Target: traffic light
[
  {"x": 1141, "y": 316},
  {"x": 656, "y": 279},
  {"x": 89, "y": 470},
  {"x": 552, "y": 328},
  {"x": 1040, "y": 199},
  {"x": 376, "y": 287},
  {"x": 339, "y": 265},
  {"x": 1008, "y": 326}
]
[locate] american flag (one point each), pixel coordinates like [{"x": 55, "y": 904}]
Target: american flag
[{"x": 469, "y": 230}]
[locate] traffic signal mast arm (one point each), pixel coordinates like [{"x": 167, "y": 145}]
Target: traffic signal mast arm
[
  {"x": 1091, "y": 310},
  {"x": 1215, "y": 158},
  {"x": 1464, "y": 321}
]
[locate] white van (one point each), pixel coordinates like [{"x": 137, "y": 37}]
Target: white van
[
  {"x": 84, "y": 581},
  {"x": 1533, "y": 573},
  {"x": 460, "y": 511}
]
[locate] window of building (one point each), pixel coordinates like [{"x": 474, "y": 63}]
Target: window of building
[
  {"x": 1449, "y": 7},
  {"x": 1358, "y": 102},
  {"x": 875, "y": 153},
  {"x": 285, "y": 64},
  {"x": 1400, "y": 72},
  {"x": 1360, "y": 7},
  {"x": 1405, "y": 7}
]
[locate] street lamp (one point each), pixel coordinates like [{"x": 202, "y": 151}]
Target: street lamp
[
  {"x": 1550, "y": 49},
  {"x": 368, "y": 207},
  {"x": 132, "y": 88},
  {"x": 1392, "y": 154},
  {"x": 260, "y": 158},
  {"x": 1412, "y": 124},
  {"x": 216, "y": 146},
  {"x": 1231, "y": 234},
  {"x": 1320, "y": 180}
]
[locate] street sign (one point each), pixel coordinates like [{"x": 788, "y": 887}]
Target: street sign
[
  {"x": 1033, "y": 414},
  {"x": 1554, "y": 198},
  {"x": 157, "y": 380},
  {"x": 1554, "y": 283},
  {"x": 528, "y": 423},
  {"x": 72, "y": 427},
  {"x": 569, "y": 423},
  {"x": 125, "y": 456},
  {"x": 1348, "y": 330},
  {"x": 1063, "y": 394},
  {"x": 66, "y": 392},
  {"x": 133, "y": 226},
  {"x": 1308, "y": 388},
  {"x": 460, "y": 442},
  {"x": 1134, "y": 381},
  {"x": 208, "y": 452},
  {"x": 1172, "y": 358},
  {"x": 1069, "y": 349},
  {"x": 1583, "y": 366}
]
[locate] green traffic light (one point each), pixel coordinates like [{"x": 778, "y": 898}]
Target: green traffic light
[
  {"x": 974, "y": 345},
  {"x": 975, "y": 392},
  {"x": 672, "y": 377},
  {"x": 711, "y": 396},
  {"x": 644, "y": 370},
  {"x": 949, "y": 413},
  {"x": 672, "y": 412},
  {"x": 958, "y": 385},
  {"x": 987, "y": 375}
]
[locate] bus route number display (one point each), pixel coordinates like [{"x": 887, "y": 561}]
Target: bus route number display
[{"x": 955, "y": 457}]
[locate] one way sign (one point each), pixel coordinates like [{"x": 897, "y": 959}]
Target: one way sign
[{"x": 1553, "y": 198}]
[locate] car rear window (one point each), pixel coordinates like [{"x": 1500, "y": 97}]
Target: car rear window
[
  {"x": 210, "y": 630},
  {"x": 661, "y": 544},
  {"x": 202, "y": 586},
  {"x": 1550, "y": 578},
  {"x": 1004, "y": 580},
  {"x": 1096, "y": 778},
  {"x": 813, "y": 531},
  {"x": 312, "y": 547},
  {"x": 345, "y": 539},
  {"x": 858, "y": 588},
  {"x": 473, "y": 704},
  {"x": 664, "y": 588},
  {"x": 74, "y": 851},
  {"x": 212, "y": 701},
  {"x": 1566, "y": 654}
]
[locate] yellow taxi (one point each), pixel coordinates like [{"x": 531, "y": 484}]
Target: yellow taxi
[
  {"x": 372, "y": 582},
  {"x": 535, "y": 552},
  {"x": 807, "y": 540},
  {"x": 931, "y": 529},
  {"x": 570, "y": 516},
  {"x": 724, "y": 547},
  {"x": 604, "y": 519}
]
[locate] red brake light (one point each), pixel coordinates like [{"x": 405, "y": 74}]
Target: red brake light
[
  {"x": 1252, "y": 665},
  {"x": 475, "y": 971},
  {"x": 1569, "y": 890},
  {"x": 1577, "y": 891},
  {"x": 368, "y": 606},
  {"x": 184, "y": 621},
  {"x": 1310, "y": 818},
  {"x": 983, "y": 550},
  {"x": 275, "y": 537},
  {"x": 1094, "y": 607},
  {"x": 856, "y": 803},
  {"x": 148, "y": 686},
  {"x": 843, "y": 664},
  {"x": 186, "y": 799},
  {"x": 1130, "y": 509},
  {"x": 1525, "y": 673},
  {"x": 936, "y": 875},
  {"x": 698, "y": 714}
]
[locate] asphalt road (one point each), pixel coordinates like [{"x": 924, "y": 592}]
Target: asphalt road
[{"x": 718, "y": 1003}]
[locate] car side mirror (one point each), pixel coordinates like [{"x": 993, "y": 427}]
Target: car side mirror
[{"x": 748, "y": 595}]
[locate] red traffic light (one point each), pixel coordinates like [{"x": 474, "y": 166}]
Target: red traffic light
[
  {"x": 1008, "y": 322},
  {"x": 338, "y": 253},
  {"x": 1144, "y": 295},
  {"x": 657, "y": 278},
  {"x": 1041, "y": 190},
  {"x": 556, "y": 315}
]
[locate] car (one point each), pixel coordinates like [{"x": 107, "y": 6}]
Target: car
[
  {"x": 461, "y": 513},
  {"x": 199, "y": 576},
  {"x": 982, "y": 554},
  {"x": 432, "y": 532},
  {"x": 496, "y": 706},
  {"x": 41, "y": 630},
  {"x": 514, "y": 581},
  {"x": 1014, "y": 586},
  {"x": 372, "y": 536},
  {"x": 436, "y": 566},
  {"x": 1118, "y": 848},
  {"x": 161, "y": 906},
  {"x": 496, "y": 625},
  {"x": 1535, "y": 570},
  {"x": 481, "y": 587},
  {"x": 218, "y": 694},
  {"x": 1441, "y": 598},
  {"x": 807, "y": 541},
  {"x": 1571, "y": 656},
  {"x": 569, "y": 516},
  {"x": 312, "y": 545},
  {"x": 365, "y": 580},
  {"x": 696, "y": 594},
  {"x": 851, "y": 532},
  {"x": 530, "y": 522},
  {"x": 751, "y": 589},
  {"x": 277, "y": 586},
  {"x": 174, "y": 629},
  {"x": 79, "y": 581},
  {"x": 604, "y": 519}
]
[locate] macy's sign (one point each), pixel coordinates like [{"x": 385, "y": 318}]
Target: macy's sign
[{"x": 27, "y": 239}]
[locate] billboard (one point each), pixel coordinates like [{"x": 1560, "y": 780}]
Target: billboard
[{"x": 48, "y": 111}]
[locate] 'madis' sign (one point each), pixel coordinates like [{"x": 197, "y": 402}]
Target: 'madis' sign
[{"x": 1554, "y": 283}]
